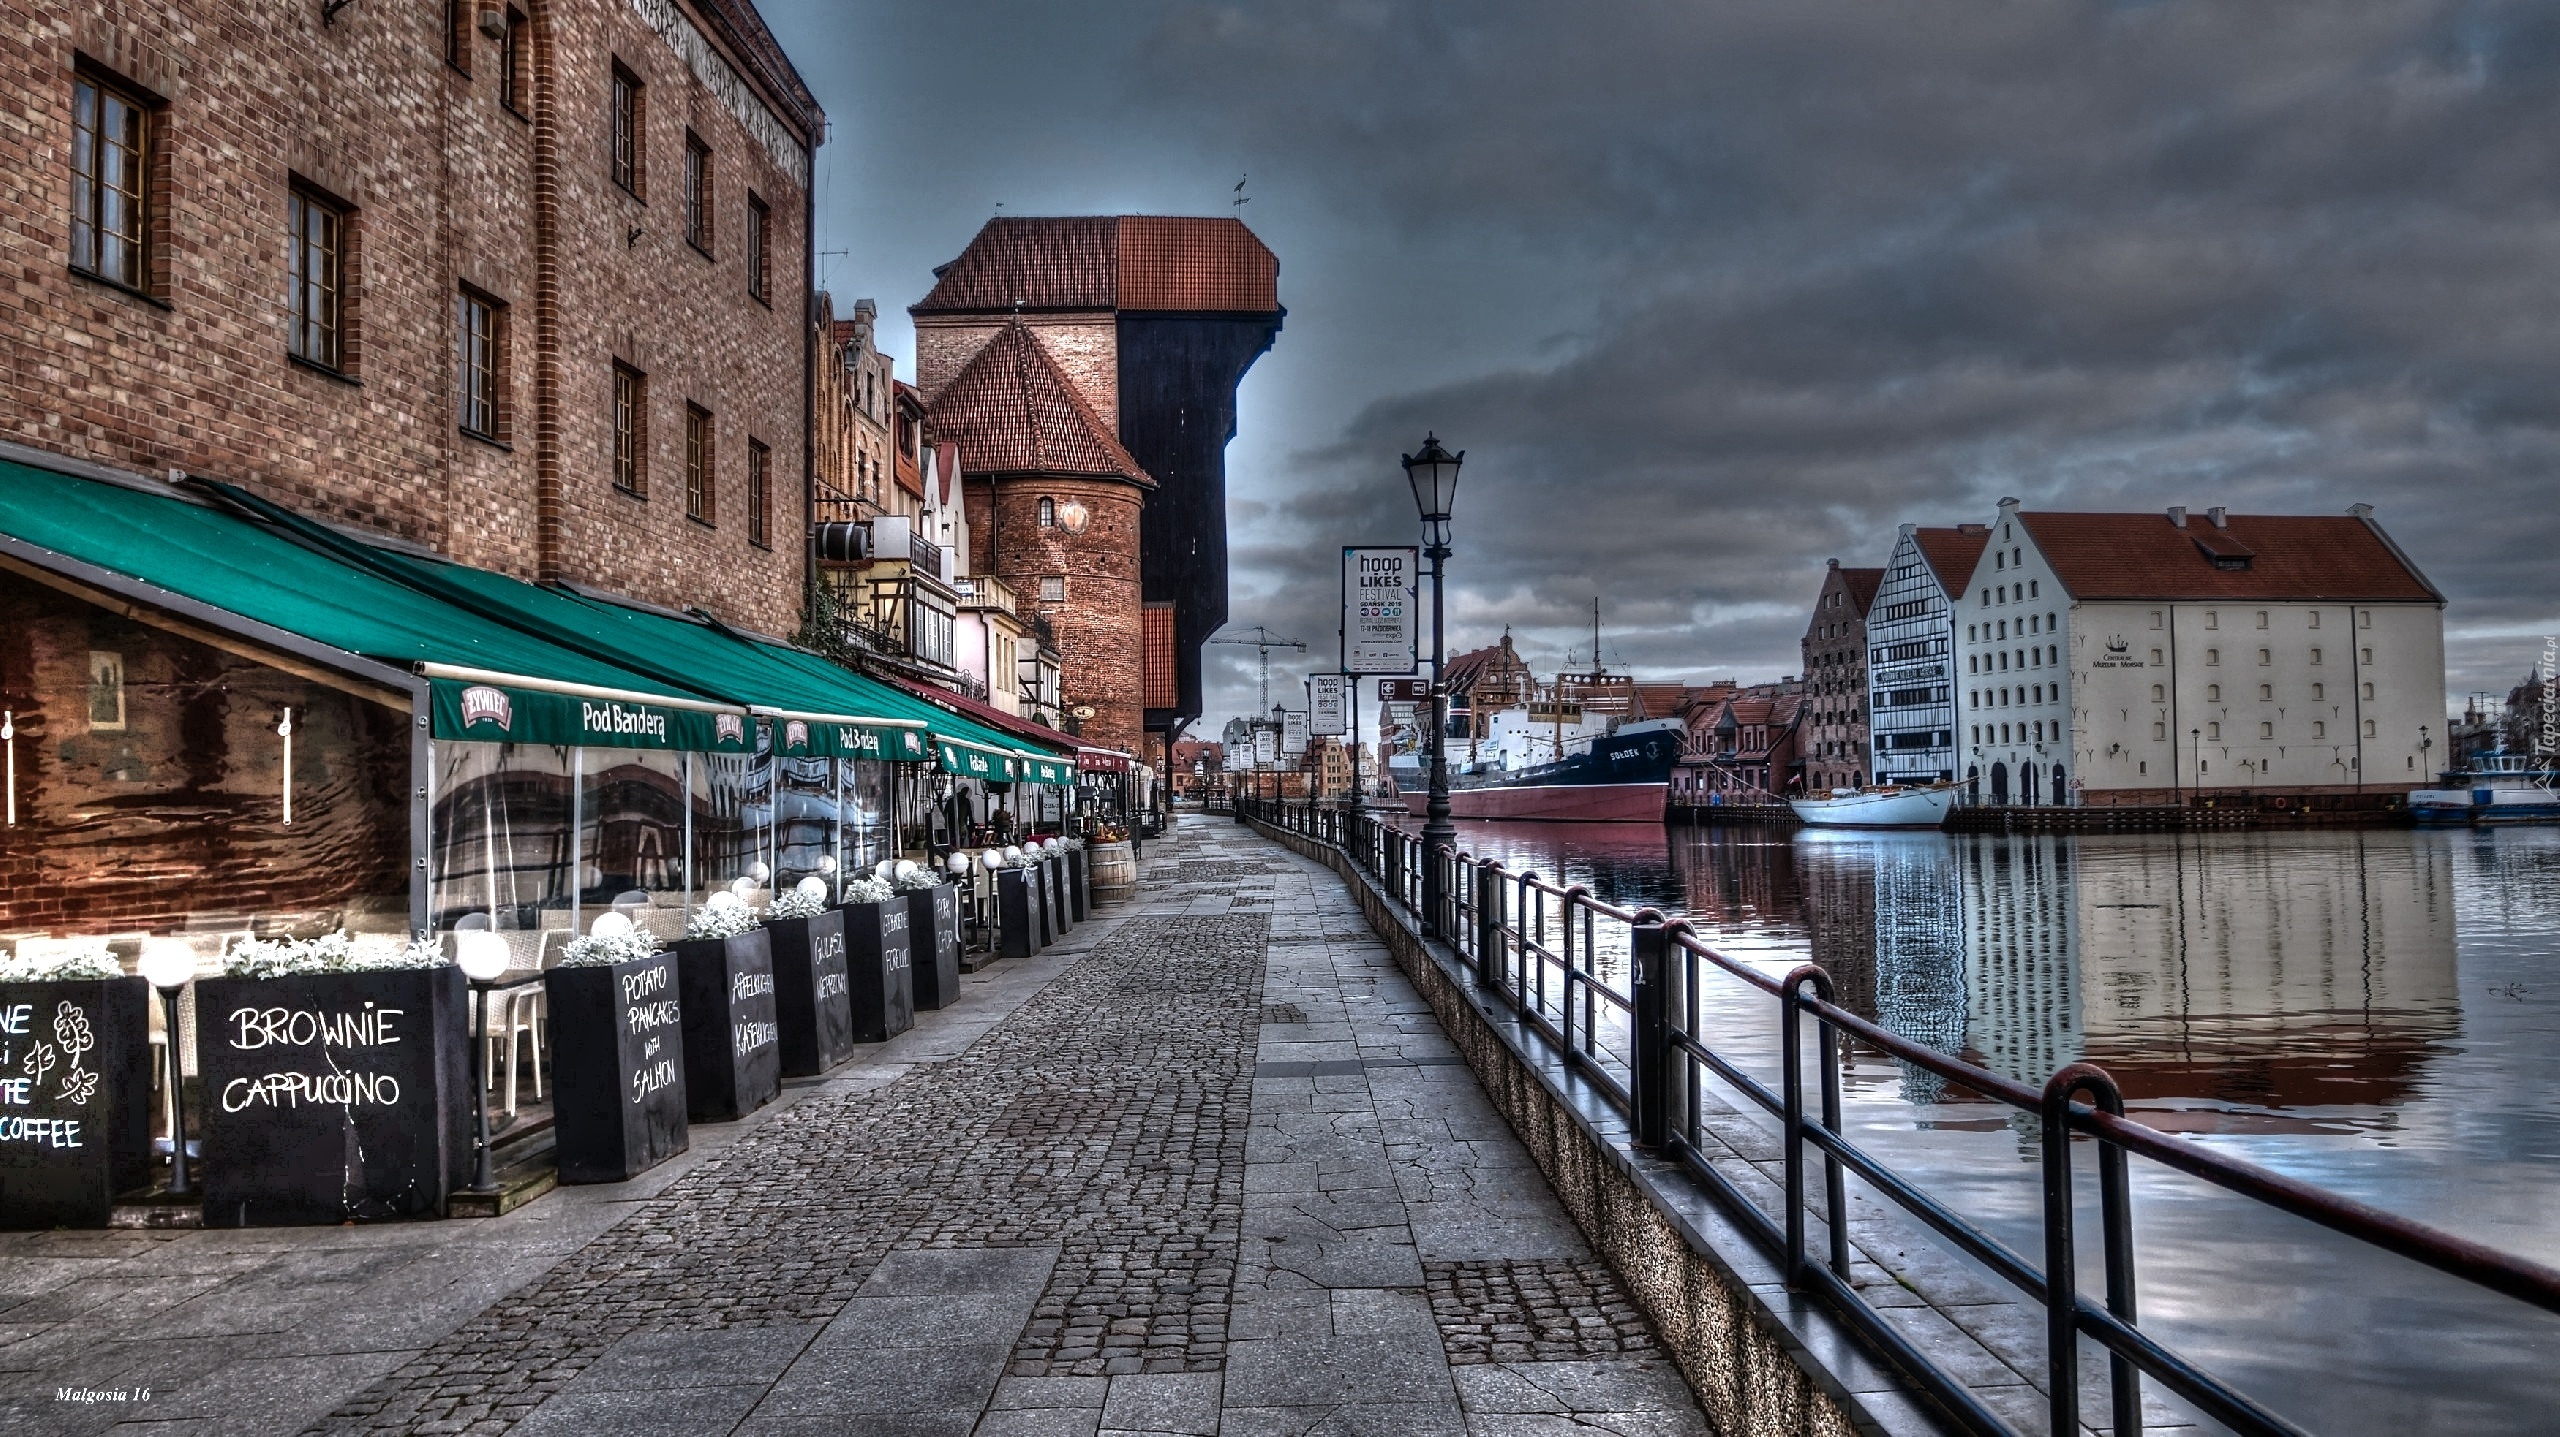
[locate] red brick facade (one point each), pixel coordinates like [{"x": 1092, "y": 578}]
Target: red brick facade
[
  {"x": 446, "y": 186},
  {"x": 1096, "y": 615}
]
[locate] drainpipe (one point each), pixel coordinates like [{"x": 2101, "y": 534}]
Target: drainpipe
[
  {"x": 548, "y": 515},
  {"x": 809, "y": 383}
]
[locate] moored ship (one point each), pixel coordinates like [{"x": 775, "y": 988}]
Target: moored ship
[
  {"x": 1615, "y": 777},
  {"x": 1879, "y": 806},
  {"x": 2496, "y": 788}
]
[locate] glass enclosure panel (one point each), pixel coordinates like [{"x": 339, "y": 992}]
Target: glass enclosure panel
[
  {"x": 868, "y": 833},
  {"x": 806, "y": 804},
  {"x": 503, "y": 840},
  {"x": 159, "y": 784},
  {"x": 631, "y": 837},
  {"x": 732, "y": 796}
]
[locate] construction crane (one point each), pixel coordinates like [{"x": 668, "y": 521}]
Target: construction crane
[{"x": 1263, "y": 642}]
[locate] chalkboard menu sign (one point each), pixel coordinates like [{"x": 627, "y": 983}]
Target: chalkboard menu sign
[
  {"x": 333, "y": 1096},
  {"x": 933, "y": 936},
  {"x": 812, "y": 1000},
  {"x": 617, "y": 1067},
  {"x": 1017, "y": 912},
  {"x": 1041, "y": 912},
  {"x": 1078, "y": 899},
  {"x": 880, "y": 961},
  {"x": 732, "y": 1046},
  {"x": 75, "y": 1099},
  {"x": 1054, "y": 874}
]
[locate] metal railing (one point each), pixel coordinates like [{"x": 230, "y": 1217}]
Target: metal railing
[{"x": 1498, "y": 922}]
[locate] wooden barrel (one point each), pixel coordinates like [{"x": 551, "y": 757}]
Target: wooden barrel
[{"x": 1115, "y": 871}]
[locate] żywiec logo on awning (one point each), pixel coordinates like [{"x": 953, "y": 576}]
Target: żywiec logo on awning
[
  {"x": 482, "y": 704},
  {"x": 729, "y": 728},
  {"x": 795, "y": 734}
]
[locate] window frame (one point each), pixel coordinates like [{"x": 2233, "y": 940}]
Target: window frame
[
  {"x": 626, "y": 150},
  {"x": 515, "y": 64},
  {"x": 700, "y": 198},
  {"x": 92, "y": 90},
  {"x": 458, "y": 18},
  {"x": 303, "y": 202},
  {"x": 480, "y": 385},
  {"x": 759, "y": 493},
  {"x": 759, "y": 239},
  {"x": 701, "y": 467},
  {"x": 630, "y": 457}
]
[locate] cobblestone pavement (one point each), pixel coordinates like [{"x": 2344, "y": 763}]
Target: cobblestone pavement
[{"x": 1209, "y": 1167}]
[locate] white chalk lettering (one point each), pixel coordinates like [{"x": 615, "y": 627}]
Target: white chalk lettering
[
  {"x": 255, "y": 1028},
  {"x": 15, "y": 1017},
  {"x": 831, "y": 985},
  {"x": 292, "y": 1090},
  {"x": 750, "y": 985},
  {"x": 751, "y": 1036},
  {"x": 643, "y": 1017},
  {"x": 654, "y": 1078},
  {"x": 13, "y": 1091},
  {"x": 41, "y": 1132},
  {"x": 645, "y": 982}
]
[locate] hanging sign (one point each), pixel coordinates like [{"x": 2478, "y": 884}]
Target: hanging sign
[
  {"x": 1377, "y": 610},
  {"x": 1327, "y": 716},
  {"x": 976, "y": 763},
  {"x": 1266, "y": 746},
  {"x": 1404, "y": 691},
  {"x": 1293, "y": 733}
]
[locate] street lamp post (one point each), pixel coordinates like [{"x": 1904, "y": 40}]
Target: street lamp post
[
  {"x": 1433, "y": 473},
  {"x": 482, "y": 957},
  {"x": 169, "y": 964}
]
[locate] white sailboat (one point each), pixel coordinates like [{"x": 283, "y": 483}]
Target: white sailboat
[{"x": 1890, "y": 806}]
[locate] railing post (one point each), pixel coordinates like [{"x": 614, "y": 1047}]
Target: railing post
[
  {"x": 2061, "y": 1271},
  {"x": 1791, "y": 1084},
  {"x": 1488, "y": 924},
  {"x": 1650, "y": 1030}
]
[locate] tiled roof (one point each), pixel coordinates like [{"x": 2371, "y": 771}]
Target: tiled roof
[
  {"x": 1862, "y": 585},
  {"x": 2262, "y": 556},
  {"x": 1952, "y": 553},
  {"x": 1012, "y": 412},
  {"x": 1128, "y": 263}
]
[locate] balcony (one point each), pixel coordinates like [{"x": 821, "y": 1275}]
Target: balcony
[{"x": 985, "y": 591}]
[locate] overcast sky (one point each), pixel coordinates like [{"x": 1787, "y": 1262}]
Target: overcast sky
[{"x": 1711, "y": 292}]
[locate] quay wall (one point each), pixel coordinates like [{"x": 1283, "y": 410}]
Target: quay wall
[{"x": 1747, "y": 1346}]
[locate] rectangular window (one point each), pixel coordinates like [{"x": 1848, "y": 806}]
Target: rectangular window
[
  {"x": 2213, "y": 656},
  {"x": 2262, "y": 618},
  {"x": 2368, "y": 729},
  {"x": 1053, "y": 588},
  {"x": 2315, "y": 618},
  {"x": 630, "y": 431},
  {"x": 515, "y": 59},
  {"x": 698, "y": 458},
  {"x": 2155, "y": 618},
  {"x": 759, "y": 236},
  {"x": 2265, "y": 657},
  {"x": 628, "y": 113},
  {"x": 697, "y": 193},
  {"x": 2213, "y": 618},
  {"x": 2213, "y": 731},
  {"x": 480, "y": 370},
  {"x": 2319, "y": 729},
  {"x": 316, "y": 251},
  {"x": 457, "y": 34},
  {"x": 2266, "y": 730},
  {"x": 2368, "y": 691},
  {"x": 759, "y": 495},
  {"x": 2315, "y": 656},
  {"x": 2319, "y": 692},
  {"x": 2159, "y": 731},
  {"x": 110, "y": 183}
]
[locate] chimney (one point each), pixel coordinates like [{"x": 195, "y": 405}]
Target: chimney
[
  {"x": 2178, "y": 515},
  {"x": 2361, "y": 511},
  {"x": 2220, "y": 516},
  {"x": 1835, "y": 563}
]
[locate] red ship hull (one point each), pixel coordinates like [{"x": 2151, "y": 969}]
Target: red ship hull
[{"x": 1553, "y": 803}]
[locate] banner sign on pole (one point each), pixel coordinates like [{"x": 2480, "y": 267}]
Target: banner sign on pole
[
  {"x": 1378, "y": 633},
  {"x": 1293, "y": 733},
  {"x": 1404, "y": 691},
  {"x": 1266, "y": 746},
  {"x": 1326, "y": 715}
]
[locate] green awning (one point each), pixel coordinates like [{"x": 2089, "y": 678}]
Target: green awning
[
  {"x": 973, "y": 761},
  {"x": 223, "y": 561},
  {"x": 1049, "y": 770},
  {"x": 495, "y": 710}
]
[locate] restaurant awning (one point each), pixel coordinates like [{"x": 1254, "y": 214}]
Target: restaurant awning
[
  {"x": 1039, "y": 754},
  {"x": 230, "y": 572}
]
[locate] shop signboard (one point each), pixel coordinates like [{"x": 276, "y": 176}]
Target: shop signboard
[
  {"x": 75, "y": 1099},
  {"x": 977, "y": 763},
  {"x": 1017, "y": 912},
  {"x": 1378, "y": 586},
  {"x": 494, "y": 713},
  {"x": 617, "y": 1067},
  {"x": 812, "y": 997},
  {"x": 732, "y": 1044},
  {"x": 331, "y": 1097},
  {"x": 933, "y": 940},
  {"x": 879, "y": 963}
]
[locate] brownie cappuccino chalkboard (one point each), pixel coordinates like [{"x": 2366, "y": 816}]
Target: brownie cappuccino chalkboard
[
  {"x": 878, "y": 960},
  {"x": 617, "y": 1067},
  {"x": 75, "y": 1099},
  {"x": 732, "y": 1047},
  {"x": 812, "y": 1002},
  {"x": 933, "y": 941},
  {"x": 333, "y": 1096}
]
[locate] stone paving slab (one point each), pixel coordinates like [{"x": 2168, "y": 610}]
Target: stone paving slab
[{"x": 1207, "y": 1168}]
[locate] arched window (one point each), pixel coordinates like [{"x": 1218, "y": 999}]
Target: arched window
[{"x": 1048, "y": 512}]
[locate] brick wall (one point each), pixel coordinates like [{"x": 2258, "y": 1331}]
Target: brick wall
[
  {"x": 1086, "y": 347},
  {"x": 1099, "y": 623},
  {"x": 256, "y": 97}
]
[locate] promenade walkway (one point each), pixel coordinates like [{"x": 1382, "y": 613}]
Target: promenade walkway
[{"x": 1208, "y": 1167}]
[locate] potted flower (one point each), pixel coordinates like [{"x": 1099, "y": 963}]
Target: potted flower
[
  {"x": 1020, "y": 931},
  {"x": 617, "y": 1053},
  {"x": 724, "y": 979},
  {"x": 336, "y": 1082},
  {"x": 812, "y": 1000},
  {"x": 933, "y": 933},
  {"x": 878, "y": 959},
  {"x": 75, "y": 1087}
]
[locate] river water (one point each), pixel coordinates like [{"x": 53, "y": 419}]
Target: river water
[{"x": 2377, "y": 1012}]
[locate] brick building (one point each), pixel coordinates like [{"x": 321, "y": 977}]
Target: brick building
[
  {"x": 1152, "y": 321},
  {"x": 1834, "y": 737},
  {"x": 1054, "y": 506},
  {"x": 523, "y": 286}
]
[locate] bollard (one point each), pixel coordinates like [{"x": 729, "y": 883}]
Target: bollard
[{"x": 1649, "y": 1030}]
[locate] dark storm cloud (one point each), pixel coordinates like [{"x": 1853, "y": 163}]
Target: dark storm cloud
[{"x": 1712, "y": 292}]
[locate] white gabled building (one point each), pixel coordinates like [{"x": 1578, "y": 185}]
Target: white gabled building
[
  {"x": 1912, "y": 664},
  {"x": 2144, "y": 659}
]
